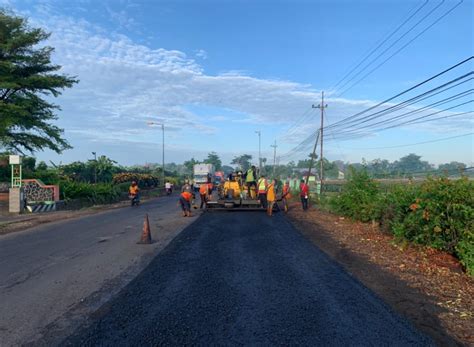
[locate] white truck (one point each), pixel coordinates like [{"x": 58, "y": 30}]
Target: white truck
[{"x": 202, "y": 172}]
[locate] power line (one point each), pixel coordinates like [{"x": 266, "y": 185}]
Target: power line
[
  {"x": 423, "y": 96},
  {"x": 418, "y": 110},
  {"x": 393, "y": 44},
  {"x": 345, "y": 120},
  {"x": 401, "y": 48},
  {"x": 367, "y": 56},
  {"x": 416, "y": 143}
]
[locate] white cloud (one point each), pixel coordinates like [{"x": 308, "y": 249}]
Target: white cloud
[
  {"x": 200, "y": 53},
  {"x": 124, "y": 84}
]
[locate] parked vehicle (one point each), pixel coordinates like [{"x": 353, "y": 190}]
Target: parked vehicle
[{"x": 202, "y": 174}]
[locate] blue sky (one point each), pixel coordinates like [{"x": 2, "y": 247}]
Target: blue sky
[{"x": 216, "y": 71}]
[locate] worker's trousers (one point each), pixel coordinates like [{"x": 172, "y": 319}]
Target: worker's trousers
[
  {"x": 263, "y": 199},
  {"x": 185, "y": 204},
  {"x": 304, "y": 203},
  {"x": 203, "y": 200}
]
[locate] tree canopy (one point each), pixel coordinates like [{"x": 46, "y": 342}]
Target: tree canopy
[
  {"x": 27, "y": 76},
  {"x": 213, "y": 158},
  {"x": 242, "y": 161}
]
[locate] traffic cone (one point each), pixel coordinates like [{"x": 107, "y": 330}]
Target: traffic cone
[{"x": 146, "y": 235}]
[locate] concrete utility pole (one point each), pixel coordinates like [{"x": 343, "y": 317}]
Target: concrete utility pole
[
  {"x": 274, "y": 157},
  {"x": 321, "y": 106},
  {"x": 313, "y": 155},
  {"x": 163, "y": 148},
  {"x": 259, "y": 150}
]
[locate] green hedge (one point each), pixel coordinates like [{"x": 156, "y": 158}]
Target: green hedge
[
  {"x": 438, "y": 212},
  {"x": 100, "y": 193}
]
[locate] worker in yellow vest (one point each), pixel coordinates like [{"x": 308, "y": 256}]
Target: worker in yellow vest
[
  {"x": 262, "y": 191},
  {"x": 251, "y": 180}
]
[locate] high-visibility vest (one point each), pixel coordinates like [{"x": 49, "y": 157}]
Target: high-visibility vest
[
  {"x": 187, "y": 196},
  {"x": 250, "y": 177},
  {"x": 262, "y": 185},
  {"x": 203, "y": 189}
]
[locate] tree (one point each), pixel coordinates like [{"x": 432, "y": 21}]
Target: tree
[
  {"x": 411, "y": 164},
  {"x": 27, "y": 75},
  {"x": 105, "y": 168},
  {"x": 227, "y": 169},
  {"x": 213, "y": 158},
  {"x": 452, "y": 168},
  {"x": 243, "y": 161},
  {"x": 189, "y": 165}
]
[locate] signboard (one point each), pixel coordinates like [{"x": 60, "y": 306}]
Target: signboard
[{"x": 15, "y": 160}]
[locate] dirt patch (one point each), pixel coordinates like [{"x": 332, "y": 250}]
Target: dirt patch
[{"x": 426, "y": 286}]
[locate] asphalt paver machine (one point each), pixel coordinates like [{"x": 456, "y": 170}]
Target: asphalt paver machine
[{"x": 233, "y": 195}]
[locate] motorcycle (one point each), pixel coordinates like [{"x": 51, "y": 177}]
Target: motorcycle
[{"x": 134, "y": 200}]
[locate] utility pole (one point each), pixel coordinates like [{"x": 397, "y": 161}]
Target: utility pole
[
  {"x": 259, "y": 150},
  {"x": 321, "y": 106},
  {"x": 313, "y": 155},
  {"x": 274, "y": 157}
]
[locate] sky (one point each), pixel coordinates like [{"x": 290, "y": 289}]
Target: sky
[{"x": 214, "y": 72}]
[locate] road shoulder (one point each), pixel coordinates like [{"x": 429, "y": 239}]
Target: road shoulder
[{"x": 425, "y": 286}]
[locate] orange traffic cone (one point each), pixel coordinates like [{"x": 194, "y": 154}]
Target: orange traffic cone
[{"x": 146, "y": 235}]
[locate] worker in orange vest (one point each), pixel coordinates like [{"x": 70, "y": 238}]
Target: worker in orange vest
[
  {"x": 185, "y": 201},
  {"x": 285, "y": 196},
  {"x": 271, "y": 197},
  {"x": 203, "y": 192}
]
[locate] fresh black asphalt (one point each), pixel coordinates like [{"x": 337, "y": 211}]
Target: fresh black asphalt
[{"x": 240, "y": 278}]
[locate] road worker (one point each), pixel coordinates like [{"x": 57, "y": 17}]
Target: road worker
[
  {"x": 185, "y": 202},
  {"x": 187, "y": 187},
  {"x": 251, "y": 180},
  {"x": 304, "y": 194},
  {"x": 271, "y": 196},
  {"x": 285, "y": 196},
  {"x": 262, "y": 191},
  {"x": 203, "y": 191},
  {"x": 134, "y": 193}
]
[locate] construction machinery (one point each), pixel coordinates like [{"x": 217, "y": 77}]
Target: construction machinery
[{"x": 232, "y": 194}]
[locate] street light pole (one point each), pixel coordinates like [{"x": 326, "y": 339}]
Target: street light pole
[
  {"x": 259, "y": 150},
  {"x": 274, "y": 157},
  {"x": 163, "y": 154},
  {"x": 95, "y": 167},
  {"x": 163, "y": 148}
]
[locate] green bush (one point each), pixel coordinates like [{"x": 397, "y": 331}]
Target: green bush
[
  {"x": 360, "y": 198},
  {"x": 442, "y": 216},
  {"x": 394, "y": 205},
  {"x": 100, "y": 193},
  {"x": 438, "y": 212}
]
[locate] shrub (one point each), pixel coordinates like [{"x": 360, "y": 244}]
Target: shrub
[
  {"x": 359, "y": 198},
  {"x": 394, "y": 205},
  {"x": 442, "y": 216},
  {"x": 100, "y": 193},
  {"x": 143, "y": 180},
  {"x": 439, "y": 212}
]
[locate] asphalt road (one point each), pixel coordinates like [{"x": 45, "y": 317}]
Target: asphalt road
[
  {"x": 54, "y": 275},
  {"x": 237, "y": 278}
]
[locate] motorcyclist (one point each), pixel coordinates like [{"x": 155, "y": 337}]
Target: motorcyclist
[
  {"x": 168, "y": 188},
  {"x": 134, "y": 193}
]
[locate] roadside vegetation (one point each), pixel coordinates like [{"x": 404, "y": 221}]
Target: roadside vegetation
[{"x": 438, "y": 212}]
